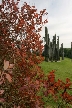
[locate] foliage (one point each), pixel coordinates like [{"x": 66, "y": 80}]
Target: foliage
[
  {"x": 58, "y": 91},
  {"x": 24, "y": 24},
  {"x": 67, "y": 52}
]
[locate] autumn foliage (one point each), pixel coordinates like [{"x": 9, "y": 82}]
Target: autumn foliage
[
  {"x": 58, "y": 90},
  {"x": 19, "y": 44}
]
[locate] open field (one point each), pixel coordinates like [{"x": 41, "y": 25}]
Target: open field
[{"x": 62, "y": 69}]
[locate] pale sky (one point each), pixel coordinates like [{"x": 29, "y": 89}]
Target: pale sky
[{"x": 59, "y": 18}]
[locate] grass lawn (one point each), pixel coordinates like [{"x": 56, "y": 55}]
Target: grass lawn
[{"x": 63, "y": 69}]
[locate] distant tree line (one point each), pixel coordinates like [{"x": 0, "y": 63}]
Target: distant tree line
[{"x": 67, "y": 52}]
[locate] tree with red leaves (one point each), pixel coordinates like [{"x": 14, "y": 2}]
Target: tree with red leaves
[{"x": 19, "y": 40}]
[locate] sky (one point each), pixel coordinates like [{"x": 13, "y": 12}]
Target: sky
[{"x": 59, "y": 18}]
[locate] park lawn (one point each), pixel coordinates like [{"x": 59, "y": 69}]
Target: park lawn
[{"x": 63, "y": 69}]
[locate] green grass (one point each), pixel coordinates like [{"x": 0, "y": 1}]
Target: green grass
[{"x": 62, "y": 69}]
